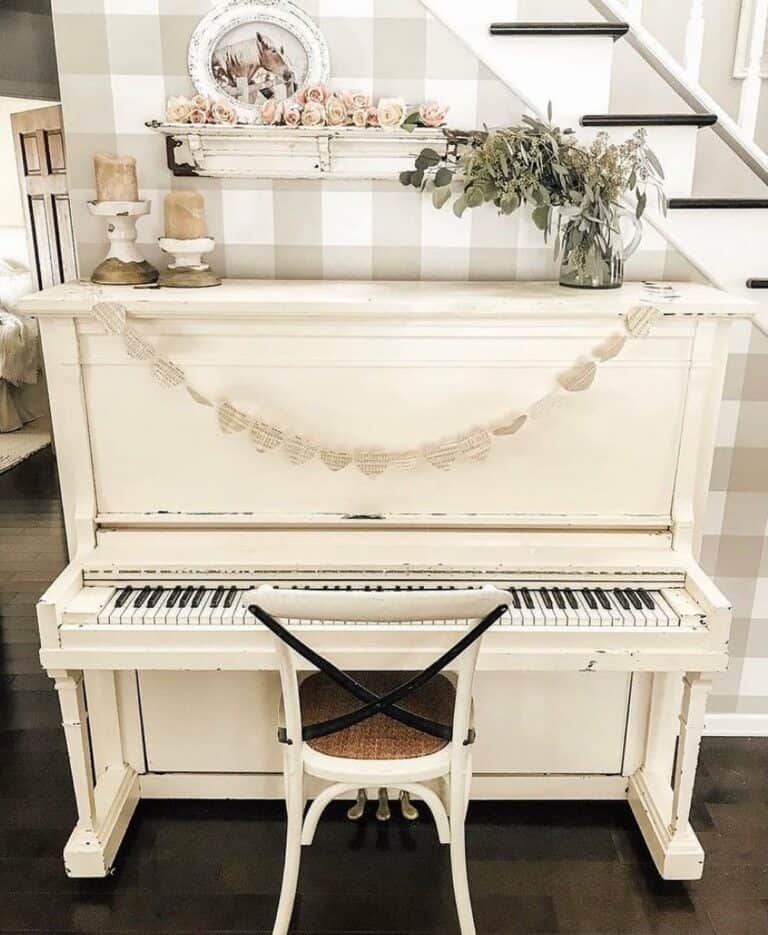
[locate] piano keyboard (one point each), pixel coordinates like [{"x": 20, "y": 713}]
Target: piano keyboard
[{"x": 561, "y": 606}]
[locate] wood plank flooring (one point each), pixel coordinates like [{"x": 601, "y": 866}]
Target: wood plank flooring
[{"x": 202, "y": 867}]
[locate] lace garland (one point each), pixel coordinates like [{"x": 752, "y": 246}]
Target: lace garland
[{"x": 473, "y": 445}]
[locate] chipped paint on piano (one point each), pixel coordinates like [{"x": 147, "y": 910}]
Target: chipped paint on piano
[{"x": 604, "y": 495}]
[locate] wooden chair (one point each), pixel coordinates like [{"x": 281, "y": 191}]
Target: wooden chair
[{"x": 392, "y": 729}]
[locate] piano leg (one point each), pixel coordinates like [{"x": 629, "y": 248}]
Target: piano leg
[
  {"x": 104, "y": 809},
  {"x": 696, "y": 689},
  {"x": 662, "y": 808}
]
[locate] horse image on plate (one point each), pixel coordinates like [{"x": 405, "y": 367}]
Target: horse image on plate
[{"x": 254, "y": 70}]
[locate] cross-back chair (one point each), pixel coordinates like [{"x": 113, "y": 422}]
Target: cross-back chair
[{"x": 393, "y": 729}]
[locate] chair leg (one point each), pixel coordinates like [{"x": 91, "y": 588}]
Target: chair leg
[
  {"x": 459, "y": 857},
  {"x": 294, "y": 800}
]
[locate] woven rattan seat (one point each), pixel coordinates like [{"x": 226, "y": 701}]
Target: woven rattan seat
[{"x": 380, "y": 737}]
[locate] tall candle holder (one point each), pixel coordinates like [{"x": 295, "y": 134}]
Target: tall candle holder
[
  {"x": 123, "y": 265},
  {"x": 188, "y": 271}
]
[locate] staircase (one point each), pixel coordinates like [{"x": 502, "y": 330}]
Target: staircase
[{"x": 571, "y": 65}]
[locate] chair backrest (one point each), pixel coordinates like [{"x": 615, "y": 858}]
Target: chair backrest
[{"x": 477, "y": 608}]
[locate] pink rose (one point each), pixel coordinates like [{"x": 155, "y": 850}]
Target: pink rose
[
  {"x": 432, "y": 114},
  {"x": 372, "y": 116},
  {"x": 272, "y": 113},
  {"x": 335, "y": 111},
  {"x": 317, "y": 93},
  {"x": 313, "y": 114},
  {"x": 301, "y": 96},
  {"x": 291, "y": 114},
  {"x": 357, "y": 100},
  {"x": 392, "y": 112},
  {"x": 360, "y": 117},
  {"x": 223, "y": 113},
  {"x": 198, "y": 116}
]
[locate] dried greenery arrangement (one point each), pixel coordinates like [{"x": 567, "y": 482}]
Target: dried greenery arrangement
[{"x": 573, "y": 188}]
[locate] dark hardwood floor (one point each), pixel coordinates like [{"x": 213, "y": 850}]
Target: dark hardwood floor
[{"x": 215, "y": 867}]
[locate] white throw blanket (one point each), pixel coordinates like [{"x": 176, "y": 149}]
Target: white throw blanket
[{"x": 19, "y": 363}]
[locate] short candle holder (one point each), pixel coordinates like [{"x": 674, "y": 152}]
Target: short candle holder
[
  {"x": 123, "y": 265},
  {"x": 188, "y": 271}
]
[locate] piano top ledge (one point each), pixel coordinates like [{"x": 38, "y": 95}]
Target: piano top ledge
[{"x": 240, "y": 298}]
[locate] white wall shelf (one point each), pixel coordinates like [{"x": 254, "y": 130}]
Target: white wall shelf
[{"x": 301, "y": 153}]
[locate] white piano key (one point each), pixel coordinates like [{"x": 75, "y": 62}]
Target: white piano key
[{"x": 105, "y": 614}]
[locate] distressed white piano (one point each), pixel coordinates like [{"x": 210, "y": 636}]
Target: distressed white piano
[{"x": 593, "y": 686}]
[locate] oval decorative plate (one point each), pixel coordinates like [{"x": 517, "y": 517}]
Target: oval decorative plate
[{"x": 251, "y": 51}]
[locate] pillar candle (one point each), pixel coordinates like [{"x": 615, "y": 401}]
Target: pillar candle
[
  {"x": 115, "y": 178},
  {"x": 185, "y": 216}
]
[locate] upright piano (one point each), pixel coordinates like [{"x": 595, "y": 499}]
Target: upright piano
[{"x": 593, "y": 686}]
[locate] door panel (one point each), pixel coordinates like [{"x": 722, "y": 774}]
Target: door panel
[{"x": 42, "y": 164}]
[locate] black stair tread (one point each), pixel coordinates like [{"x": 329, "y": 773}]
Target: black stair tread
[
  {"x": 757, "y": 284},
  {"x": 616, "y": 30},
  {"x": 648, "y": 120},
  {"x": 718, "y": 202}
]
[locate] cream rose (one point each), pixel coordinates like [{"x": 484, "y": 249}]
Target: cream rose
[
  {"x": 432, "y": 114},
  {"x": 372, "y": 116},
  {"x": 178, "y": 110},
  {"x": 272, "y": 112},
  {"x": 198, "y": 116},
  {"x": 391, "y": 112},
  {"x": 357, "y": 100},
  {"x": 317, "y": 94},
  {"x": 292, "y": 114},
  {"x": 313, "y": 114},
  {"x": 336, "y": 112},
  {"x": 222, "y": 112},
  {"x": 201, "y": 102},
  {"x": 360, "y": 117}
]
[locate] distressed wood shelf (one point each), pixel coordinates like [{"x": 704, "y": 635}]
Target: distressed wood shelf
[{"x": 301, "y": 153}]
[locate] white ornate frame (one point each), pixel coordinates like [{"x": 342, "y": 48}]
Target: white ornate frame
[{"x": 228, "y": 16}]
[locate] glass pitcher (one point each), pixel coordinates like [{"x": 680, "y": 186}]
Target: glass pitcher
[{"x": 593, "y": 254}]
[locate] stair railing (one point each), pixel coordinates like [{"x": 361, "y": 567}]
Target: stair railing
[{"x": 739, "y": 134}]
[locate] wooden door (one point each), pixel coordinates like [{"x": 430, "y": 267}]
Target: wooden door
[{"x": 42, "y": 163}]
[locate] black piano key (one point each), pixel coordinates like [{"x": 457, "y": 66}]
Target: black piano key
[
  {"x": 546, "y": 598},
  {"x": 646, "y": 598},
  {"x": 603, "y": 598},
  {"x": 589, "y": 597},
  {"x": 174, "y": 596},
  {"x": 515, "y": 598},
  {"x": 571, "y": 598},
  {"x": 124, "y": 595},
  {"x": 634, "y": 600},
  {"x": 231, "y": 595},
  {"x": 142, "y": 596},
  {"x": 559, "y": 599},
  {"x": 198, "y": 598},
  {"x": 217, "y": 596},
  {"x": 621, "y": 598},
  {"x": 186, "y": 597},
  {"x": 527, "y": 598},
  {"x": 155, "y": 599}
]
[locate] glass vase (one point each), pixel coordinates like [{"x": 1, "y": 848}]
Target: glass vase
[{"x": 593, "y": 254}]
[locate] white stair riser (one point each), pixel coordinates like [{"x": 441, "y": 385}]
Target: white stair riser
[
  {"x": 573, "y": 72},
  {"x": 675, "y": 147},
  {"x": 731, "y": 242}
]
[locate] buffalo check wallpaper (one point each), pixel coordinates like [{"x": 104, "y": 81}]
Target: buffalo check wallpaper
[{"x": 120, "y": 60}]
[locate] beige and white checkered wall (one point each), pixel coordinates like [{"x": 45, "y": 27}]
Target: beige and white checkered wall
[{"x": 119, "y": 61}]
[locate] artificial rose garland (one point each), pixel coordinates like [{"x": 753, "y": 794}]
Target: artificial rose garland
[{"x": 314, "y": 106}]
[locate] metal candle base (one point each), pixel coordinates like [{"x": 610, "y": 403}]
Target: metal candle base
[
  {"x": 188, "y": 271},
  {"x": 123, "y": 265}
]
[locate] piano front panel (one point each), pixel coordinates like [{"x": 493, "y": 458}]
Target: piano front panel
[
  {"x": 599, "y": 455},
  {"x": 552, "y": 722}
]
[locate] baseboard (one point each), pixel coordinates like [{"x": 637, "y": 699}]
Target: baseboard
[{"x": 736, "y": 725}]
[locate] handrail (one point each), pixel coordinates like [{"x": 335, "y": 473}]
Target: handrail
[{"x": 689, "y": 89}]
